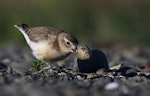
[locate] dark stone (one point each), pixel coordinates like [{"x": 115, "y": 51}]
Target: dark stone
[
  {"x": 3, "y": 67},
  {"x": 127, "y": 71},
  {"x": 97, "y": 61},
  {"x": 131, "y": 72}
]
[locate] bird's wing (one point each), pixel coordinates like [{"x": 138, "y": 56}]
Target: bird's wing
[{"x": 43, "y": 33}]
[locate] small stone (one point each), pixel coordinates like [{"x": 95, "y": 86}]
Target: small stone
[
  {"x": 101, "y": 72},
  {"x": 91, "y": 76},
  {"x": 79, "y": 77},
  {"x": 146, "y": 70},
  {"x": 62, "y": 74},
  {"x": 111, "y": 86},
  {"x": 131, "y": 72},
  {"x": 3, "y": 67},
  {"x": 6, "y": 60},
  {"x": 127, "y": 71}
]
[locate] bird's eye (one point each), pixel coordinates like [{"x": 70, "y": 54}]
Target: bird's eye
[{"x": 68, "y": 44}]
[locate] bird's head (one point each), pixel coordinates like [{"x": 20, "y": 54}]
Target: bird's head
[{"x": 67, "y": 43}]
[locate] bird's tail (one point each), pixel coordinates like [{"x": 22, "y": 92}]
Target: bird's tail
[{"x": 24, "y": 27}]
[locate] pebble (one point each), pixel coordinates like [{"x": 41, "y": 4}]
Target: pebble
[
  {"x": 3, "y": 67},
  {"x": 79, "y": 77},
  {"x": 111, "y": 86}
]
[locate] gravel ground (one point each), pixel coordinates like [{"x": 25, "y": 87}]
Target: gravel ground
[{"x": 130, "y": 75}]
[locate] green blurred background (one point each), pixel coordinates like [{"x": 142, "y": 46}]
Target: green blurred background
[{"x": 89, "y": 20}]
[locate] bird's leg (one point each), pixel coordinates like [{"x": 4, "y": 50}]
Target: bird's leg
[
  {"x": 47, "y": 64},
  {"x": 75, "y": 66}
]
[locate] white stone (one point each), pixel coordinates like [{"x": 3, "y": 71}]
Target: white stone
[{"x": 111, "y": 86}]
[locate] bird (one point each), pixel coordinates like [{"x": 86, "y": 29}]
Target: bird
[
  {"x": 48, "y": 43},
  {"x": 90, "y": 60}
]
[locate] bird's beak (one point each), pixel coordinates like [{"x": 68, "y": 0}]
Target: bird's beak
[{"x": 74, "y": 49}]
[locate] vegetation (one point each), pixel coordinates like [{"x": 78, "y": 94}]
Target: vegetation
[{"x": 37, "y": 66}]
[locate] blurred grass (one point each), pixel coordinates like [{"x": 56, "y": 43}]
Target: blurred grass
[{"x": 101, "y": 20}]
